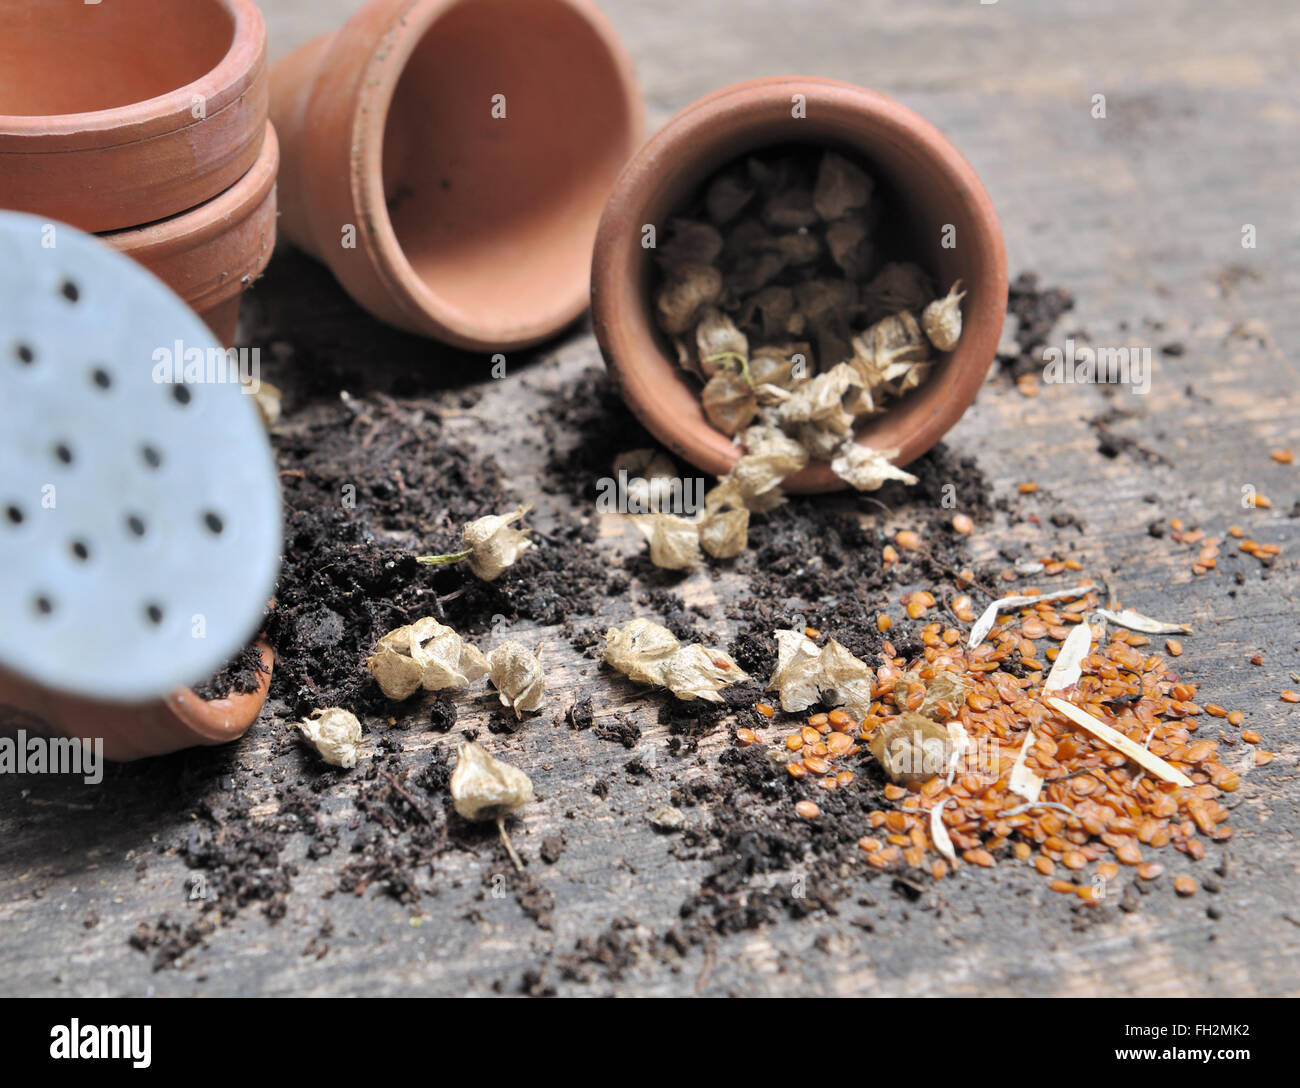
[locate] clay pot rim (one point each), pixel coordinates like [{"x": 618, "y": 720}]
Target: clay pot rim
[
  {"x": 382, "y": 72},
  {"x": 191, "y": 229},
  {"x": 217, "y": 721},
  {"x": 241, "y": 68},
  {"x": 623, "y": 340}
]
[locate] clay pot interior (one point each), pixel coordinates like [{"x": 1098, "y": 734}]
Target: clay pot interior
[
  {"x": 493, "y": 213},
  {"x": 924, "y": 190},
  {"x": 67, "y": 56}
]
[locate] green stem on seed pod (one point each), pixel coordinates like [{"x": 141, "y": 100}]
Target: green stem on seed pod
[
  {"x": 727, "y": 356},
  {"x": 444, "y": 560}
]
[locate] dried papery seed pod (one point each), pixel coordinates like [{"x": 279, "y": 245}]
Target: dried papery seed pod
[
  {"x": 689, "y": 288},
  {"x": 755, "y": 273},
  {"x": 649, "y": 475},
  {"x": 425, "y": 654},
  {"x": 833, "y": 343},
  {"x": 789, "y": 209},
  {"x": 483, "y": 788},
  {"x": 695, "y": 672},
  {"x": 867, "y": 469},
  {"x": 846, "y": 680},
  {"x": 729, "y": 402},
  {"x": 518, "y": 676},
  {"x": 690, "y": 242},
  {"x": 727, "y": 196},
  {"x": 493, "y": 545},
  {"x": 775, "y": 364},
  {"x": 755, "y": 480},
  {"x": 721, "y": 346},
  {"x": 821, "y": 441},
  {"x": 335, "y": 734},
  {"x": 912, "y": 747},
  {"x": 821, "y": 400},
  {"x": 724, "y": 534},
  {"x": 798, "y": 672},
  {"x": 841, "y": 187},
  {"x": 942, "y": 319},
  {"x": 639, "y": 650},
  {"x": 851, "y": 248},
  {"x": 674, "y": 541},
  {"x": 897, "y": 286},
  {"x": 797, "y": 247},
  {"x": 774, "y": 308},
  {"x": 269, "y": 401},
  {"x": 943, "y": 687},
  {"x": 898, "y": 339},
  {"x": 826, "y": 300}
]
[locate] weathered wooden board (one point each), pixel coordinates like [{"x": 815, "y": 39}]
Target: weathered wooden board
[{"x": 1140, "y": 214}]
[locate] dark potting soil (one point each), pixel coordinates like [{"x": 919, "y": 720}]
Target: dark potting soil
[
  {"x": 374, "y": 479},
  {"x": 240, "y": 675}
]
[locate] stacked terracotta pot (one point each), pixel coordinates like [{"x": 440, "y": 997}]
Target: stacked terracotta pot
[{"x": 146, "y": 123}]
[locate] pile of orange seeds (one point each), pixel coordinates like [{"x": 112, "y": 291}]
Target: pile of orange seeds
[{"x": 1097, "y": 811}]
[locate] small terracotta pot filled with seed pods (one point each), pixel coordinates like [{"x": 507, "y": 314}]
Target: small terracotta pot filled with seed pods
[{"x": 804, "y": 257}]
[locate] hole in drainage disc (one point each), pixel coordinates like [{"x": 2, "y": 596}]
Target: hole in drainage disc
[
  {"x": 80, "y": 550},
  {"x": 25, "y": 354},
  {"x": 70, "y": 291},
  {"x": 135, "y": 523},
  {"x": 213, "y": 523},
  {"x": 13, "y": 515},
  {"x": 64, "y": 453},
  {"x": 43, "y": 605},
  {"x": 151, "y": 456},
  {"x": 101, "y": 377},
  {"x": 154, "y": 614},
  {"x": 182, "y": 394}
]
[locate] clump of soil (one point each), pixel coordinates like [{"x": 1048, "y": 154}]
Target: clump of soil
[
  {"x": 240, "y": 675},
  {"x": 1036, "y": 311}
]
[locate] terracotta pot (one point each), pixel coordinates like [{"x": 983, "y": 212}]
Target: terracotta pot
[
  {"x": 908, "y": 154},
  {"x": 210, "y": 255},
  {"x": 113, "y": 114},
  {"x": 133, "y": 730},
  {"x": 470, "y": 228}
]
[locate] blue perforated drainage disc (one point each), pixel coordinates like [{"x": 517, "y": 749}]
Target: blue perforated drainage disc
[{"x": 139, "y": 501}]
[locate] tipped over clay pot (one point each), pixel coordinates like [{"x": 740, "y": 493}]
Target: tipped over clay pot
[
  {"x": 134, "y": 730},
  {"x": 449, "y": 160},
  {"x": 933, "y": 186},
  {"x": 117, "y": 114},
  {"x": 211, "y": 254}
]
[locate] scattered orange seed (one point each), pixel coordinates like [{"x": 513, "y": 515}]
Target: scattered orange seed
[
  {"x": 807, "y": 810},
  {"x": 962, "y": 524},
  {"x": 1283, "y": 457},
  {"x": 765, "y": 710},
  {"x": 746, "y": 736},
  {"x": 883, "y": 623},
  {"x": 1250, "y": 736},
  {"x": 1290, "y": 696},
  {"x": 1028, "y": 487},
  {"x": 908, "y": 540},
  {"x": 1185, "y": 885},
  {"x": 1174, "y": 647}
]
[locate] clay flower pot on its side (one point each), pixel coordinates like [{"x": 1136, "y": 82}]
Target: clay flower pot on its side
[
  {"x": 118, "y": 114},
  {"x": 435, "y": 212},
  {"x": 210, "y": 255},
  {"x": 133, "y": 730},
  {"x": 933, "y": 183}
]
